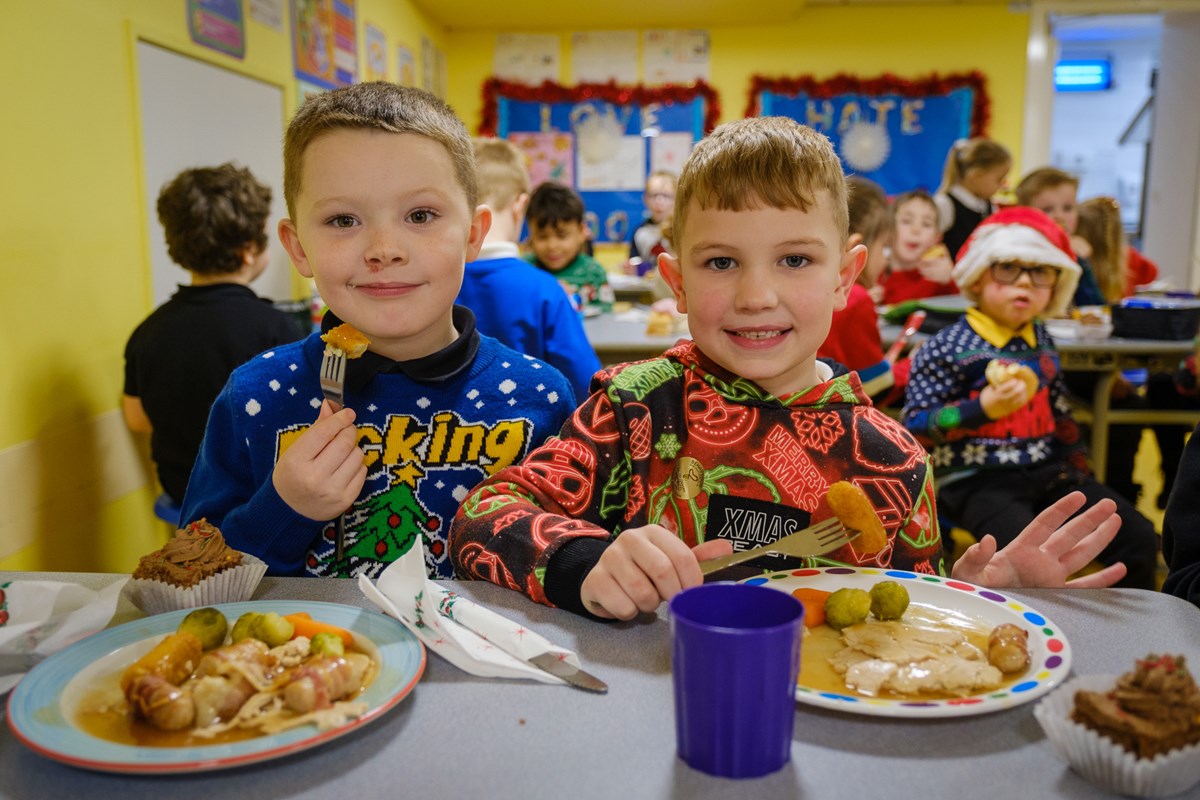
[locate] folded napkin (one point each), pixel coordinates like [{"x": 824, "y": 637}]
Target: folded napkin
[
  {"x": 38, "y": 618},
  {"x": 469, "y": 636}
]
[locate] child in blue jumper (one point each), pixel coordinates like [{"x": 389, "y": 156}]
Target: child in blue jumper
[{"x": 382, "y": 196}]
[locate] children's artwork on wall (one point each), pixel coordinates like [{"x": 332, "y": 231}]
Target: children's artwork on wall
[
  {"x": 675, "y": 56},
  {"x": 889, "y": 129},
  {"x": 323, "y": 42},
  {"x": 548, "y": 156},
  {"x": 218, "y": 24},
  {"x": 267, "y": 12},
  {"x": 602, "y": 56},
  {"x": 376, "y": 53},
  {"x": 601, "y": 139},
  {"x": 526, "y": 57},
  {"x": 406, "y": 66}
]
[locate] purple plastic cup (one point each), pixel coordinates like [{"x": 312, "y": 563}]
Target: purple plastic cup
[{"x": 735, "y": 655}]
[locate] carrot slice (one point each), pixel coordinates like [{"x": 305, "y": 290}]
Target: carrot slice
[
  {"x": 814, "y": 605},
  {"x": 309, "y": 627}
]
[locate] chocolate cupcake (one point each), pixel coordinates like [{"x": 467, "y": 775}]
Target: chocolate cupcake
[{"x": 195, "y": 568}]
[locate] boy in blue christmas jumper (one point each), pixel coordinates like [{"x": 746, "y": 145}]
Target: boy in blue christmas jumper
[
  {"x": 1001, "y": 454},
  {"x": 382, "y": 195}
]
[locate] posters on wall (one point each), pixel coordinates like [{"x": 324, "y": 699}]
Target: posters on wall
[
  {"x": 428, "y": 67},
  {"x": 323, "y": 42},
  {"x": 604, "y": 56},
  {"x": 675, "y": 56},
  {"x": 550, "y": 156},
  {"x": 526, "y": 57},
  {"x": 406, "y": 68},
  {"x": 376, "y": 69},
  {"x": 218, "y": 24}
]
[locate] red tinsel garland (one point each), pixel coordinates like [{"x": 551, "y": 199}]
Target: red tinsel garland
[
  {"x": 887, "y": 83},
  {"x": 551, "y": 92}
]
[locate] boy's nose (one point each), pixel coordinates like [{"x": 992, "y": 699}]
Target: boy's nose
[
  {"x": 755, "y": 291},
  {"x": 385, "y": 249}
]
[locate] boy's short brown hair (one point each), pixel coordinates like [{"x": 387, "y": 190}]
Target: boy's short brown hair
[
  {"x": 771, "y": 161},
  {"x": 916, "y": 194},
  {"x": 211, "y": 214},
  {"x": 378, "y": 106},
  {"x": 553, "y": 204},
  {"x": 1040, "y": 180},
  {"x": 503, "y": 174}
]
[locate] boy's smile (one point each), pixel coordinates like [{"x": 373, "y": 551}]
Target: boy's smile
[
  {"x": 557, "y": 245},
  {"x": 382, "y": 226},
  {"x": 760, "y": 286}
]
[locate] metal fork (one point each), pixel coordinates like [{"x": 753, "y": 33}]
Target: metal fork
[
  {"x": 333, "y": 376},
  {"x": 814, "y": 540},
  {"x": 333, "y": 386}
]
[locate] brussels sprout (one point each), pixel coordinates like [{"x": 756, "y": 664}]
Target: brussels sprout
[
  {"x": 847, "y": 607},
  {"x": 206, "y": 624},
  {"x": 327, "y": 644},
  {"x": 272, "y": 629},
  {"x": 889, "y": 600},
  {"x": 244, "y": 627}
]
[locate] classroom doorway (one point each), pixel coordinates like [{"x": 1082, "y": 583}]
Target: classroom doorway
[{"x": 196, "y": 114}]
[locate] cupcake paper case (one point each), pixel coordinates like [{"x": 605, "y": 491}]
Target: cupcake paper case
[
  {"x": 1104, "y": 763},
  {"x": 231, "y": 585}
]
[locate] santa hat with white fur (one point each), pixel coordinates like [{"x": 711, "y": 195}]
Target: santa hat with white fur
[{"x": 1024, "y": 236}]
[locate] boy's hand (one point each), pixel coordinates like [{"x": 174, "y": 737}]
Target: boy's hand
[
  {"x": 321, "y": 474},
  {"x": 1000, "y": 401},
  {"x": 1047, "y": 551},
  {"x": 642, "y": 568}
]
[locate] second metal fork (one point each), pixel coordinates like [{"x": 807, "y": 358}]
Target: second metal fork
[{"x": 814, "y": 540}]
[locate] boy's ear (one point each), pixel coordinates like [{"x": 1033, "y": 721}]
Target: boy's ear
[
  {"x": 672, "y": 273},
  {"x": 853, "y": 261},
  {"x": 520, "y": 205},
  {"x": 290, "y": 238},
  {"x": 480, "y": 224}
]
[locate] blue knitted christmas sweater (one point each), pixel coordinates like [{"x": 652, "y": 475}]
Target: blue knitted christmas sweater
[
  {"x": 427, "y": 443},
  {"x": 943, "y": 411}
]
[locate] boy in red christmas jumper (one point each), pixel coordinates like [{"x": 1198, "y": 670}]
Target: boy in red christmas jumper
[
  {"x": 733, "y": 438},
  {"x": 1002, "y": 450}
]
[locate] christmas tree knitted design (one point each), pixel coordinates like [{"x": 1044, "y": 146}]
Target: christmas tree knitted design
[{"x": 385, "y": 527}]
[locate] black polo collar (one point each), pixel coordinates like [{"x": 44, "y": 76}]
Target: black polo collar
[{"x": 442, "y": 365}]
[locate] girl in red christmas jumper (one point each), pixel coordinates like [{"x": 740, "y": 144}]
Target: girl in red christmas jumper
[{"x": 853, "y": 337}]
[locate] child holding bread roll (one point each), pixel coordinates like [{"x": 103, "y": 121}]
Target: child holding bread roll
[
  {"x": 987, "y": 398},
  {"x": 920, "y": 264}
]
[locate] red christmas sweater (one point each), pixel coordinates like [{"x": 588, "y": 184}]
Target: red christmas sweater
[
  {"x": 910, "y": 284},
  {"x": 677, "y": 440}
]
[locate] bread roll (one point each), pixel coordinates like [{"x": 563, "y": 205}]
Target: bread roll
[
  {"x": 999, "y": 371},
  {"x": 937, "y": 251}
]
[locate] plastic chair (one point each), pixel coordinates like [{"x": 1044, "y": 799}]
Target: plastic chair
[{"x": 167, "y": 510}]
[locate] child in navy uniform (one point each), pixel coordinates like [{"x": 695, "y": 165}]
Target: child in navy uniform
[
  {"x": 381, "y": 190},
  {"x": 1003, "y": 450}
]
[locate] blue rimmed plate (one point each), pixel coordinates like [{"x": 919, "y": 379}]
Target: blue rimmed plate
[
  {"x": 1049, "y": 651},
  {"x": 42, "y": 706}
]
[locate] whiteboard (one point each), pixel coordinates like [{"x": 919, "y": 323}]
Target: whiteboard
[{"x": 197, "y": 115}]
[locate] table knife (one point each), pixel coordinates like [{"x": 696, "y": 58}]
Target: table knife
[{"x": 557, "y": 665}]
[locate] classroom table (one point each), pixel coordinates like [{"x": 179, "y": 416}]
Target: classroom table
[{"x": 459, "y": 736}]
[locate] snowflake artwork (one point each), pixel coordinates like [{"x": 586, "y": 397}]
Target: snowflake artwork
[{"x": 866, "y": 146}]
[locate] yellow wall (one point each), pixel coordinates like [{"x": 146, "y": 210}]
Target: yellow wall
[{"x": 77, "y": 489}]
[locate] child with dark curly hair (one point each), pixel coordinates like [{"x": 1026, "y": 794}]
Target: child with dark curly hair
[{"x": 177, "y": 360}]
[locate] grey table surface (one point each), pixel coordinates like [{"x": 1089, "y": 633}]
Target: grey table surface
[{"x": 460, "y": 736}]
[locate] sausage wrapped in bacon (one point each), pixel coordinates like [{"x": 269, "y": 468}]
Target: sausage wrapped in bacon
[{"x": 325, "y": 679}]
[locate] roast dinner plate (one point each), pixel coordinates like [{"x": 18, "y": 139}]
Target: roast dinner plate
[
  {"x": 1049, "y": 651},
  {"x": 42, "y": 709}
]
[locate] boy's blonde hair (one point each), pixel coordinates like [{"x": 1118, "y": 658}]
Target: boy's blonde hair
[
  {"x": 761, "y": 161},
  {"x": 1100, "y": 226},
  {"x": 377, "y": 106},
  {"x": 1040, "y": 180},
  {"x": 503, "y": 172},
  {"x": 968, "y": 154},
  {"x": 867, "y": 203}
]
